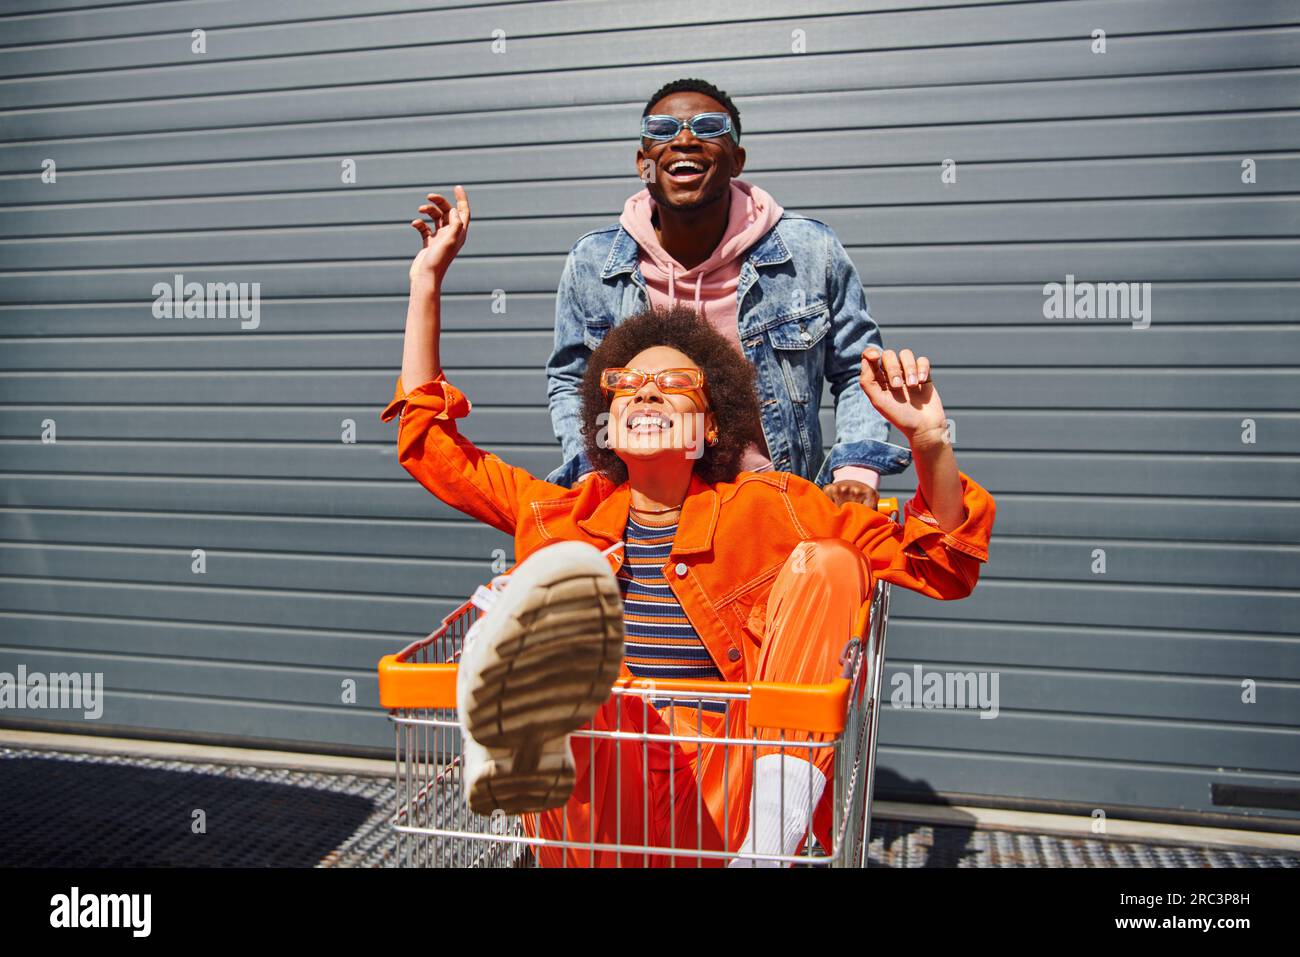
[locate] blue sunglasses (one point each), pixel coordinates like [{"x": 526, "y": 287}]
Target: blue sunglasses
[{"x": 704, "y": 125}]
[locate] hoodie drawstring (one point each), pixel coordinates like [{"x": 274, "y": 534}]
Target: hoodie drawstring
[{"x": 672, "y": 288}]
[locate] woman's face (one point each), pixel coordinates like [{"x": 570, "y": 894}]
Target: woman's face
[{"x": 650, "y": 424}]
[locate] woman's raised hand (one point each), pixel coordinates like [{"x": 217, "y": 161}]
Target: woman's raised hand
[
  {"x": 442, "y": 237},
  {"x": 900, "y": 386}
]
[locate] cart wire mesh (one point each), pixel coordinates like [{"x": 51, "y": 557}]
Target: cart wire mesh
[{"x": 435, "y": 827}]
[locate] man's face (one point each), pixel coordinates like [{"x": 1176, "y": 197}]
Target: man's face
[{"x": 721, "y": 158}]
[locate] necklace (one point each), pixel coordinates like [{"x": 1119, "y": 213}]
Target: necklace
[{"x": 653, "y": 511}]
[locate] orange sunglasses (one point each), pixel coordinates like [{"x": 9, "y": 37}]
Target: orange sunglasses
[{"x": 623, "y": 381}]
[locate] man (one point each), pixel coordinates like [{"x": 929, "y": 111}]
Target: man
[{"x": 780, "y": 286}]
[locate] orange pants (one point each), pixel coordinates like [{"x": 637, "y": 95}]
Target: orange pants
[{"x": 688, "y": 795}]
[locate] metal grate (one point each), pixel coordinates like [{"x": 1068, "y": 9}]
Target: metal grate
[{"x": 93, "y": 810}]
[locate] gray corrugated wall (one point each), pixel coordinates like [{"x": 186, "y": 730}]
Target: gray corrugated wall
[{"x": 1122, "y": 689}]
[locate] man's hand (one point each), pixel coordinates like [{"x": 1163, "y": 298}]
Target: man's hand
[
  {"x": 848, "y": 490},
  {"x": 443, "y": 238}
]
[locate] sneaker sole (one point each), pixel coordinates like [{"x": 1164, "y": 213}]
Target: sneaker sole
[
  {"x": 505, "y": 785},
  {"x": 552, "y": 665}
]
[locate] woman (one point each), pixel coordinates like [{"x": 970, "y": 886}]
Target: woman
[{"x": 731, "y": 575}]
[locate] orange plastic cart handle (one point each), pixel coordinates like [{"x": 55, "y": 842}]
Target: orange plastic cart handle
[
  {"x": 819, "y": 708},
  {"x": 410, "y": 684}
]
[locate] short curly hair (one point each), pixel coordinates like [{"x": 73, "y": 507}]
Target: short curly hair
[{"x": 730, "y": 378}]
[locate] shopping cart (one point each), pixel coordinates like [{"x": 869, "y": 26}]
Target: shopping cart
[{"x": 435, "y": 827}]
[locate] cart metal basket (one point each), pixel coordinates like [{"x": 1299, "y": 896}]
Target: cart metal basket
[{"x": 436, "y": 828}]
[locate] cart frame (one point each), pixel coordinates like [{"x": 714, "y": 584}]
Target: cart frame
[{"x": 434, "y": 827}]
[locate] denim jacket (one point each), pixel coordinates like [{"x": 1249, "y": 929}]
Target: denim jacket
[{"x": 802, "y": 318}]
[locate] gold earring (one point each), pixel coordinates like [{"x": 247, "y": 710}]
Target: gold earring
[{"x": 711, "y": 438}]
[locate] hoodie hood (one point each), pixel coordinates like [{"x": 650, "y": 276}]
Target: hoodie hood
[{"x": 711, "y": 286}]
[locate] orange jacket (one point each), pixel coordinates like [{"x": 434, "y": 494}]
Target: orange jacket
[{"x": 732, "y": 538}]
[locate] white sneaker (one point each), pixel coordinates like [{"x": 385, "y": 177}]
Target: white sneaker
[{"x": 537, "y": 665}]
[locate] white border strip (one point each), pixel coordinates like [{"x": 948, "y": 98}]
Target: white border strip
[
  {"x": 197, "y": 753},
  {"x": 1079, "y": 826}
]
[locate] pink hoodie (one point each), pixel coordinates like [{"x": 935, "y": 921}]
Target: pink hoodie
[{"x": 711, "y": 286}]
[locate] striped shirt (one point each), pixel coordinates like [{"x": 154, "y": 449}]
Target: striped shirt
[{"x": 660, "y": 640}]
